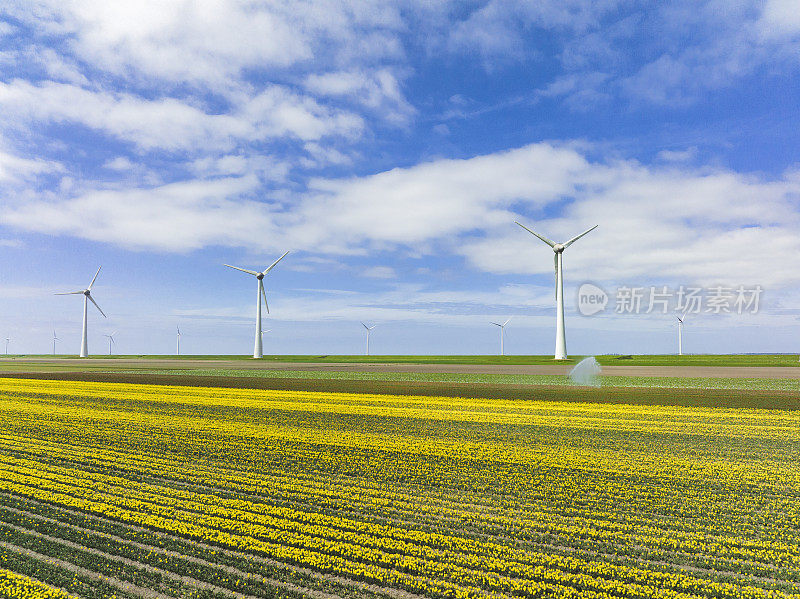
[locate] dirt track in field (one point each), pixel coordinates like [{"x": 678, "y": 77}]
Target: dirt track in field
[
  {"x": 728, "y": 398},
  {"x": 62, "y": 365}
]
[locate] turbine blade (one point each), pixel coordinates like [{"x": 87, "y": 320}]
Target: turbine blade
[
  {"x": 542, "y": 237},
  {"x": 91, "y": 299},
  {"x": 89, "y": 288},
  {"x": 271, "y": 266},
  {"x": 70, "y": 293},
  {"x": 365, "y": 326},
  {"x": 497, "y": 324},
  {"x": 507, "y": 321},
  {"x": 264, "y": 294},
  {"x": 250, "y": 272},
  {"x": 577, "y": 237}
]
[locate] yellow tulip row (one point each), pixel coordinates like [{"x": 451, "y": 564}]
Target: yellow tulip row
[
  {"x": 19, "y": 586},
  {"x": 296, "y": 476}
]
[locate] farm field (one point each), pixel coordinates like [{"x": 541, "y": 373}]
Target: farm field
[
  {"x": 725, "y": 360},
  {"x": 110, "y": 489}
]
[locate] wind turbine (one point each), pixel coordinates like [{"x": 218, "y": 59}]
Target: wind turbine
[
  {"x": 258, "y": 350},
  {"x": 178, "y": 349},
  {"x": 369, "y": 330},
  {"x": 558, "y": 249},
  {"x": 54, "y": 342},
  {"x": 110, "y": 341},
  {"x": 502, "y": 334},
  {"x": 87, "y": 295},
  {"x": 680, "y": 333},
  {"x": 8, "y": 340}
]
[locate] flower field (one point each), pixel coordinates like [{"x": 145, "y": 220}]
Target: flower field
[{"x": 129, "y": 490}]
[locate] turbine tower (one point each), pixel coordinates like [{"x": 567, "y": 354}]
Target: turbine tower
[
  {"x": 87, "y": 295},
  {"x": 178, "y": 348},
  {"x": 369, "y": 330},
  {"x": 502, "y": 334},
  {"x": 258, "y": 349},
  {"x": 8, "y": 340},
  {"x": 54, "y": 342},
  {"x": 558, "y": 249},
  {"x": 110, "y": 341}
]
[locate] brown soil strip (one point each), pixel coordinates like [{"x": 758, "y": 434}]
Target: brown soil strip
[{"x": 728, "y": 398}]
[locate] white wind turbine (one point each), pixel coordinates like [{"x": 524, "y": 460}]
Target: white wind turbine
[
  {"x": 178, "y": 348},
  {"x": 54, "y": 342},
  {"x": 87, "y": 295},
  {"x": 258, "y": 350},
  {"x": 110, "y": 341},
  {"x": 558, "y": 249},
  {"x": 369, "y": 330},
  {"x": 8, "y": 340},
  {"x": 502, "y": 334},
  {"x": 680, "y": 333}
]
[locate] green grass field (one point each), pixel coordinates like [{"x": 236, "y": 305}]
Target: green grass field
[{"x": 737, "y": 360}]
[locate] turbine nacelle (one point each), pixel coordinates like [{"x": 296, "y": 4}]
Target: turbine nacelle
[{"x": 558, "y": 248}]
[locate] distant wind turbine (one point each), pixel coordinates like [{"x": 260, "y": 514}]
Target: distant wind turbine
[
  {"x": 8, "y": 340},
  {"x": 558, "y": 249},
  {"x": 54, "y": 342},
  {"x": 178, "y": 348},
  {"x": 369, "y": 330},
  {"x": 680, "y": 333},
  {"x": 502, "y": 334},
  {"x": 87, "y": 295},
  {"x": 258, "y": 349},
  {"x": 110, "y": 341}
]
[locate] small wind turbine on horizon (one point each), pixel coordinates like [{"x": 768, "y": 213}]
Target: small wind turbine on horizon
[
  {"x": 178, "y": 348},
  {"x": 8, "y": 340},
  {"x": 369, "y": 330},
  {"x": 87, "y": 297},
  {"x": 502, "y": 334},
  {"x": 110, "y": 341},
  {"x": 258, "y": 349},
  {"x": 54, "y": 341},
  {"x": 558, "y": 249}
]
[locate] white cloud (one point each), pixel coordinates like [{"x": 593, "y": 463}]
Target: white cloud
[
  {"x": 15, "y": 169},
  {"x": 171, "y": 124},
  {"x": 175, "y": 217},
  {"x": 682, "y": 224},
  {"x": 780, "y": 19},
  {"x": 211, "y": 42},
  {"x": 120, "y": 163},
  {"x": 377, "y": 90},
  {"x": 379, "y": 272}
]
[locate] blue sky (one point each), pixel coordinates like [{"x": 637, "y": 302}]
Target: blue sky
[{"x": 390, "y": 147}]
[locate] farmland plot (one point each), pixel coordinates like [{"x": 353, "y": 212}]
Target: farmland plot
[{"x": 155, "y": 491}]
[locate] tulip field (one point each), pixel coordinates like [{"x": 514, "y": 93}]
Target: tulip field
[{"x": 133, "y": 490}]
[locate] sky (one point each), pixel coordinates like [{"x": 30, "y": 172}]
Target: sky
[{"x": 390, "y": 146}]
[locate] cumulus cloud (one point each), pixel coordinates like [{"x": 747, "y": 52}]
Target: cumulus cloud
[
  {"x": 177, "y": 217},
  {"x": 16, "y": 169},
  {"x": 701, "y": 225},
  {"x": 171, "y": 124}
]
